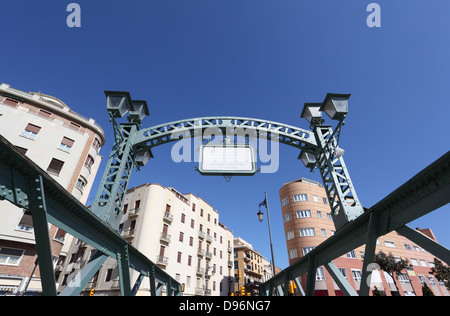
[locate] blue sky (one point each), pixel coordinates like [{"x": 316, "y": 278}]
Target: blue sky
[{"x": 251, "y": 58}]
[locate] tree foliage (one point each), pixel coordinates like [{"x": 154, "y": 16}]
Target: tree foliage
[
  {"x": 390, "y": 264},
  {"x": 441, "y": 272}
]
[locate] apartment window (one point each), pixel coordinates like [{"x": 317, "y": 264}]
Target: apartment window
[
  {"x": 108, "y": 275},
  {"x": 183, "y": 218},
  {"x": 315, "y": 198},
  {"x": 66, "y": 144},
  {"x": 416, "y": 248},
  {"x": 55, "y": 166},
  {"x": 422, "y": 279},
  {"x": 357, "y": 275},
  {"x": 414, "y": 262},
  {"x": 290, "y": 235},
  {"x": 423, "y": 263},
  {"x": 181, "y": 236},
  {"x": 96, "y": 144},
  {"x": 10, "y": 256},
  {"x": 179, "y": 257},
  {"x": 60, "y": 235},
  {"x": 320, "y": 275},
  {"x": 306, "y": 250},
  {"x": 191, "y": 241},
  {"x": 189, "y": 260},
  {"x": 344, "y": 272},
  {"x": 319, "y": 214},
  {"x": 81, "y": 183},
  {"x": 192, "y": 223},
  {"x": 167, "y": 208},
  {"x": 74, "y": 126},
  {"x": 10, "y": 101},
  {"x": 193, "y": 207},
  {"x": 325, "y": 200},
  {"x": 407, "y": 247},
  {"x": 307, "y": 232},
  {"x": 403, "y": 278},
  {"x": 323, "y": 232},
  {"x": 31, "y": 131},
  {"x": 431, "y": 280},
  {"x": 351, "y": 254},
  {"x": 44, "y": 114},
  {"x": 329, "y": 217},
  {"x": 89, "y": 161},
  {"x": 284, "y": 201},
  {"x": 303, "y": 214},
  {"x": 292, "y": 253},
  {"x": 389, "y": 244},
  {"x": 26, "y": 223},
  {"x": 287, "y": 217},
  {"x": 201, "y": 212},
  {"x": 300, "y": 197}
]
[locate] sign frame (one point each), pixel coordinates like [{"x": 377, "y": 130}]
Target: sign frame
[{"x": 227, "y": 172}]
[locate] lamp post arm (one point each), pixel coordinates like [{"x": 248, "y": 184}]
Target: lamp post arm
[{"x": 270, "y": 235}]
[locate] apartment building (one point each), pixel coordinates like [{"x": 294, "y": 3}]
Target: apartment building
[
  {"x": 181, "y": 233},
  {"x": 249, "y": 268},
  {"x": 308, "y": 222},
  {"x": 66, "y": 145}
]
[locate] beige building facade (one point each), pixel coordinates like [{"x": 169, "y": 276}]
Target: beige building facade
[
  {"x": 181, "y": 233},
  {"x": 66, "y": 145},
  {"x": 308, "y": 222},
  {"x": 250, "y": 268}
]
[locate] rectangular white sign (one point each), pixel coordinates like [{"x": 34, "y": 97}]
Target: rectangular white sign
[{"x": 227, "y": 159}]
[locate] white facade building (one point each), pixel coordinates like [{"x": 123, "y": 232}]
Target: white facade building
[
  {"x": 63, "y": 143},
  {"x": 181, "y": 233}
]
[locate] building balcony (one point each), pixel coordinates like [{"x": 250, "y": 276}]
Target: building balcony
[
  {"x": 208, "y": 255},
  {"x": 199, "y": 291},
  {"x": 200, "y": 271},
  {"x": 165, "y": 237},
  {"x": 230, "y": 264},
  {"x": 208, "y": 238},
  {"x": 134, "y": 212},
  {"x": 168, "y": 217},
  {"x": 201, "y": 234},
  {"x": 161, "y": 260},
  {"x": 129, "y": 233},
  {"x": 200, "y": 252}
]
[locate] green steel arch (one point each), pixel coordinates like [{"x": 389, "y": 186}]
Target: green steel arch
[{"x": 195, "y": 127}]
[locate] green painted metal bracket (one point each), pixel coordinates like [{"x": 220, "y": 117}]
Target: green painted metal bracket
[
  {"x": 41, "y": 233},
  {"x": 17, "y": 182}
]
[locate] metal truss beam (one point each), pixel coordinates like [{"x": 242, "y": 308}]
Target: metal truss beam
[
  {"x": 169, "y": 132},
  {"x": 344, "y": 203},
  {"x": 18, "y": 176},
  {"x": 113, "y": 187},
  {"x": 422, "y": 194}
]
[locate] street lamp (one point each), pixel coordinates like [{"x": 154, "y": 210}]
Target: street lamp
[
  {"x": 312, "y": 113},
  {"x": 327, "y": 156},
  {"x": 335, "y": 105},
  {"x": 140, "y": 111},
  {"x": 260, "y": 218},
  {"x": 308, "y": 159},
  {"x": 118, "y": 103}
]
